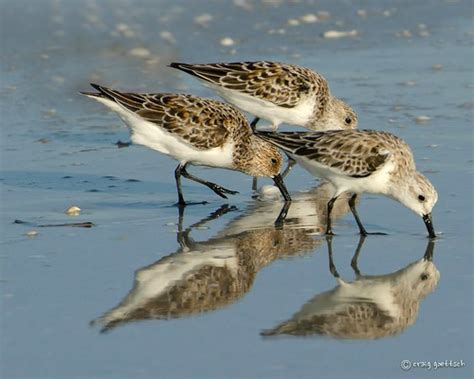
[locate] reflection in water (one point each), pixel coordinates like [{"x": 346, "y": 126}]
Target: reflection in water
[
  {"x": 208, "y": 275},
  {"x": 368, "y": 308}
]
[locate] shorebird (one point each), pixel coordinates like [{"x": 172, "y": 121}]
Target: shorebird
[
  {"x": 370, "y": 307},
  {"x": 277, "y": 92},
  {"x": 194, "y": 131},
  {"x": 360, "y": 161},
  {"x": 203, "y": 276}
]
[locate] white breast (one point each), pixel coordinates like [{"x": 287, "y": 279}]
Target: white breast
[
  {"x": 298, "y": 115},
  {"x": 375, "y": 183},
  {"x": 154, "y": 137}
]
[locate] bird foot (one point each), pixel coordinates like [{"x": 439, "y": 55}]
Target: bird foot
[{"x": 222, "y": 191}]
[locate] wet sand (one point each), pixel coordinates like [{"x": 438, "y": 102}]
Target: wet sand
[{"x": 404, "y": 67}]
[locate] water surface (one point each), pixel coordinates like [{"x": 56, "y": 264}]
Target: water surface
[{"x": 244, "y": 276}]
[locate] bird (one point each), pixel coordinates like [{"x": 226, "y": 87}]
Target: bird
[
  {"x": 370, "y": 307},
  {"x": 360, "y": 161},
  {"x": 194, "y": 131},
  {"x": 204, "y": 276},
  {"x": 207, "y": 275},
  {"x": 278, "y": 92}
]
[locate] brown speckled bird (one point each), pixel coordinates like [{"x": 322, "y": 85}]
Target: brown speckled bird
[
  {"x": 370, "y": 307},
  {"x": 277, "y": 92},
  {"x": 195, "y": 131}
]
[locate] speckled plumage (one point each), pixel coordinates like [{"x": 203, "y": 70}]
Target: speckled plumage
[
  {"x": 360, "y": 161},
  {"x": 355, "y": 153},
  {"x": 209, "y": 275},
  {"x": 370, "y": 307},
  {"x": 194, "y": 130},
  {"x": 273, "y": 90}
]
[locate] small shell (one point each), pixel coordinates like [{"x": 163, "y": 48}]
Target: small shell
[
  {"x": 340, "y": 34},
  {"x": 31, "y": 233},
  {"x": 422, "y": 119},
  {"x": 168, "y": 37},
  {"x": 140, "y": 52},
  {"x": 203, "y": 19},
  {"x": 269, "y": 192},
  {"x": 293, "y": 22},
  {"x": 309, "y": 18},
  {"x": 227, "y": 41},
  {"x": 73, "y": 211}
]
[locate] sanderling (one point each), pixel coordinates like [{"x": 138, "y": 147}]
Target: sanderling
[
  {"x": 207, "y": 275},
  {"x": 195, "y": 131},
  {"x": 360, "y": 161},
  {"x": 370, "y": 307},
  {"x": 277, "y": 92}
]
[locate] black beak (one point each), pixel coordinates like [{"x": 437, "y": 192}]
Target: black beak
[
  {"x": 429, "y": 225},
  {"x": 281, "y": 185},
  {"x": 429, "y": 251}
]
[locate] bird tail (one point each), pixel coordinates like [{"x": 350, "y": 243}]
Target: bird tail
[
  {"x": 287, "y": 327},
  {"x": 130, "y": 101},
  {"x": 103, "y": 92},
  {"x": 207, "y": 72}
]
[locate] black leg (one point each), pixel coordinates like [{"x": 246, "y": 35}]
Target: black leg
[
  {"x": 183, "y": 235},
  {"x": 221, "y": 191},
  {"x": 332, "y": 266},
  {"x": 429, "y": 250},
  {"x": 282, "y": 216},
  {"x": 254, "y": 183},
  {"x": 362, "y": 230},
  {"x": 328, "y": 219},
  {"x": 177, "y": 175},
  {"x": 183, "y": 239},
  {"x": 286, "y": 206},
  {"x": 352, "y": 201},
  {"x": 254, "y": 123},
  {"x": 289, "y": 166},
  {"x": 222, "y": 210},
  {"x": 354, "y": 261},
  {"x": 277, "y": 179}
]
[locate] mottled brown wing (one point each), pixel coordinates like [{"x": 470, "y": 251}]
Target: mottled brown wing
[
  {"x": 359, "y": 320},
  {"x": 354, "y": 153},
  {"x": 204, "y": 123},
  {"x": 282, "y": 84}
]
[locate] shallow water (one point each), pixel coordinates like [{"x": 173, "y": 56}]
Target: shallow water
[{"x": 57, "y": 150}]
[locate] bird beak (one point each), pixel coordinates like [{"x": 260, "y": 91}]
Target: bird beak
[
  {"x": 281, "y": 186},
  {"x": 429, "y": 251},
  {"x": 429, "y": 225}
]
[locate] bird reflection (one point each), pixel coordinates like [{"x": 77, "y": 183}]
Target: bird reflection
[
  {"x": 370, "y": 307},
  {"x": 205, "y": 276}
]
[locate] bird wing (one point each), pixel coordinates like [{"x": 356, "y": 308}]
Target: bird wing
[
  {"x": 204, "y": 123},
  {"x": 352, "y": 153},
  {"x": 281, "y": 84},
  {"x": 361, "y": 320}
]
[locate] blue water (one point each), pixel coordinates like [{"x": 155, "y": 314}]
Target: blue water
[{"x": 57, "y": 150}]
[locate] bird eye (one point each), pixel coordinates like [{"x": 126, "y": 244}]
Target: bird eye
[
  {"x": 274, "y": 161},
  {"x": 421, "y": 198},
  {"x": 424, "y": 276},
  {"x": 348, "y": 120}
]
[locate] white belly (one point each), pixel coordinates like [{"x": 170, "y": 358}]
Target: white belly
[
  {"x": 298, "y": 115},
  {"x": 375, "y": 183},
  {"x": 154, "y": 137}
]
